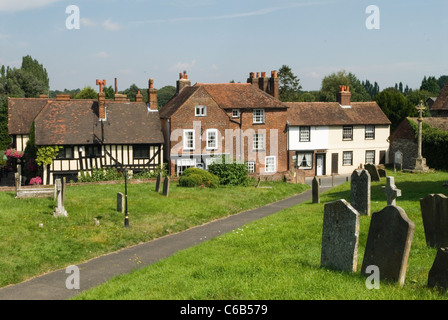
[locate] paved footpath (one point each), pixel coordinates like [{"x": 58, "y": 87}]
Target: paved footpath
[{"x": 52, "y": 286}]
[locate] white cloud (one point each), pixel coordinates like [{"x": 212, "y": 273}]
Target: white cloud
[
  {"x": 22, "y": 5},
  {"x": 181, "y": 66},
  {"x": 101, "y": 55},
  {"x": 85, "y": 22},
  {"x": 112, "y": 26}
]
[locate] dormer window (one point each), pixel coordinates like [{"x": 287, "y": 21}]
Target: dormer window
[
  {"x": 200, "y": 111},
  {"x": 235, "y": 113}
]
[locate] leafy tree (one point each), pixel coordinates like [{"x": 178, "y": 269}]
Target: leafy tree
[
  {"x": 289, "y": 87},
  {"x": 372, "y": 89},
  {"x": 331, "y": 83},
  {"x": 395, "y": 106},
  {"x": 164, "y": 95},
  {"x": 430, "y": 84},
  {"x": 110, "y": 92},
  {"x": 131, "y": 92},
  {"x": 415, "y": 96},
  {"x": 87, "y": 93},
  {"x": 442, "y": 81}
]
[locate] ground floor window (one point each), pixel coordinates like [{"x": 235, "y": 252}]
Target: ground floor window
[
  {"x": 305, "y": 160},
  {"x": 370, "y": 156},
  {"x": 347, "y": 158},
  {"x": 270, "y": 164},
  {"x": 251, "y": 166}
]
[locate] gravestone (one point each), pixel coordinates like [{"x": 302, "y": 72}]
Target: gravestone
[
  {"x": 373, "y": 171},
  {"x": 158, "y": 181},
  {"x": 315, "y": 190},
  {"x": 360, "y": 191},
  {"x": 438, "y": 275},
  {"x": 166, "y": 186},
  {"x": 391, "y": 191},
  {"x": 60, "y": 209},
  {"x": 434, "y": 209},
  {"x": 120, "y": 202},
  {"x": 398, "y": 160},
  {"x": 388, "y": 243},
  {"x": 340, "y": 235}
]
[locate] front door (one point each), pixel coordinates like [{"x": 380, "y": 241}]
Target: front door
[
  {"x": 320, "y": 164},
  {"x": 334, "y": 163}
]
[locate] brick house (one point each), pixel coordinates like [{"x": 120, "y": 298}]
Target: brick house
[
  {"x": 245, "y": 122},
  {"x": 336, "y": 137},
  {"x": 92, "y": 133}
]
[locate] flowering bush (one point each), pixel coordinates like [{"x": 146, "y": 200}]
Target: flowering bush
[
  {"x": 36, "y": 181},
  {"x": 13, "y": 153}
]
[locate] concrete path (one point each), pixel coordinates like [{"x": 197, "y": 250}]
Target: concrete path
[{"x": 52, "y": 286}]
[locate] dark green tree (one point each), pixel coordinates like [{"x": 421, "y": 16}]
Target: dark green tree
[
  {"x": 395, "y": 106},
  {"x": 331, "y": 83},
  {"x": 87, "y": 93},
  {"x": 164, "y": 95},
  {"x": 442, "y": 81},
  {"x": 430, "y": 84},
  {"x": 289, "y": 84}
]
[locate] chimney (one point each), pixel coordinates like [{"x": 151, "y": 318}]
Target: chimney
[
  {"x": 252, "y": 79},
  {"x": 120, "y": 97},
  {"x": 263, "y": 82},
  {"x": 182, "y": 82},
  {"x": 343, "y": 96},
  {"x": 63, "y": 97},
  {"x": 152, "y": 96},
  {"x": 273, "y": 88},
  {"x": 102, "y": 106},
  {"x": 138, "y": 97},
  {"x": 116, "y": 86}
]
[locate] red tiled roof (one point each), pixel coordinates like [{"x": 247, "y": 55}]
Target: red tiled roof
[
  {"x": 441, "y": 102},
  {"x": 21, "y": 113}
]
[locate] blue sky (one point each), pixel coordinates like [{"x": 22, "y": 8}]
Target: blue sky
[{"x": 218, "y": 41}]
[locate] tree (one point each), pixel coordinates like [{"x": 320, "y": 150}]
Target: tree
[
  {"x": 164, "y": 95},
  {"x": 289, "y": 87},
  {"x": 442, "y": 81},
  {"x": 87, "y": 93},
  {"x": 371, "y": 89},
  {"x": 395, "y": 106},
  {"x": 430, "y": 84},
  {"x": 331, "y": 83}
]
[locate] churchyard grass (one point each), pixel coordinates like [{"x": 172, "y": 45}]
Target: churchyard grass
[
  {"x": 278, "y": 257},
  {"x": 35, "y": 242}
]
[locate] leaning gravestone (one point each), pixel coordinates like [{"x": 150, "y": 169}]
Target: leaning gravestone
[
  {"x": 434, "y": 209},
  {"x": 166, "y": 186},
  {"x": 315, "y": 190},
  {"x": 373, "y": 171},
  {"x": 60, "y": 209},
  {"x": 388, "y": 243},
  {"x": 340, "y": 235},
  {"x": 158, "y": 181},
  {"x": 360, "y": 191},
  {"x": 438, "y": 275}
]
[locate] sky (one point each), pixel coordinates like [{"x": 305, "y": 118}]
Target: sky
[{"x": 219, "y": 41}]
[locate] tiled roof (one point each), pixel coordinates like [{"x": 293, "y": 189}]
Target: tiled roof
[
  {"x": 175, "y": 102},
  {"x": 332, "y": 114},
  {"x": 75, "y": 122},
  {"x": 441, "y": 102},
  {"x": 21, "y": 113}
]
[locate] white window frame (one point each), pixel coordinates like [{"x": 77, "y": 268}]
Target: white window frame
[
  {"x": 235, "y": 113},
  {"x": 209, "y": 146},
  {"x": 347, "y": 158},
  {"x": 187, "y": 139},
  {"x": 267, "y": 165},
  {"x": 251, "y": 166},
  {"x": 258, "y": 116},
  {"x": 258, "y": 141},
  {"x": 308, "y": 160},
  {"x": 372, "y": 152},
  {"x": 370, "y": 132},
  {"x": 304, "y": 134},
  {"x": 200, "y": 111},
  {"x": 347, "y": 133}
]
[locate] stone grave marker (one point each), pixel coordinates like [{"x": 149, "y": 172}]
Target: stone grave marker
[
  {"x": 158, "y": 181},
  {"x": 434, "y": 209},
  {"x": 360, "y": 191},
  {"x": 60, "y": 209},
  {"x": 166, "y": 186},
  {"x": 388, "y": 243},
  {"x": 120, "y": 202},
  {"x": 315, "y": 186},
  {"x": 391, "y": 191},
  {"x": 438, "y": 275},
  {"x": 340, "y": 234},
  {"x": 398, "y": 160},
  {"x": 373, "y": 171}
]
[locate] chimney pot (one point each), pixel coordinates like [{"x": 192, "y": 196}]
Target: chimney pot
[
  {"x": 63, "y": 97},
  {"x": 343, "y": 97}
]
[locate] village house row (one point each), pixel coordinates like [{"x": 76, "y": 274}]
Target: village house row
[{"x": 245, "y": 122}]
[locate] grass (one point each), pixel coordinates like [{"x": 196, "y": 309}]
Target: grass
[
  {"x": 278, "y": 258},
  {"x": 27, "y": 249}
]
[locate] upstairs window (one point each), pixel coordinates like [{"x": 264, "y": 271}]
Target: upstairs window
[
  {"x": 188, "y": 139},
  {"x": 370, "y": 132},
  {"x": 235, "y": 113},
  {"x": 258, "y": 141},
  {"x": 258, "y": 116},
  {"x": 304, "y": 134},
  {"x": 65, "y": 153},
  {"x": 93, "y": 151},
  {"x": 347, "y": 133},
  {"x": 212, "y": 138},
  {"x": 140, "y": 151},
  {"x": 200, "y": 111}
]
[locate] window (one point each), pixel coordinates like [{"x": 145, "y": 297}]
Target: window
[
  {"x": 93, "y": 151},
  {"x": 347, "y": 158},
  {"x": 258, "y": 143},
  {"x": 212, "y": 139},
  {"x": 141, "y": 151},
  {"x": 200, "y": 111},
  {"x": 251, "y": 166},
  {"x": 235, "y": 113},
  {"x": 305, "y": 160},
  {"x": 370, "y": 132},
  {"x": 270, "y": 164},
  {"x": 258, "y": 116},
  {"x": 347, "y": 133},
  {"x": 304, "y": 135},
  {"x": 370, "y": 156},
  {"x": 189, "y": 139},
  {"x": 65, "y": 153}
]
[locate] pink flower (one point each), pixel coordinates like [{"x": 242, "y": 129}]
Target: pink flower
[{"x": 36, "y": 180}]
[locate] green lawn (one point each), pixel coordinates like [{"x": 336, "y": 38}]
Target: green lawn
[
  {"x": 26, "y": 249},
  {"x": 278, "y": 257}
]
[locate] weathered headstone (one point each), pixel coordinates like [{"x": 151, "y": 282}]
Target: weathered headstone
[
  {"x": 434, "y": 209},
  {"x": 120, "y": 202},
  {"x": 391, "y": 191},
  {"x": 360, "y": 191},
  {"x": 158, "y": 181},
  {"x": 60, "y": 209},
  {"x": 315, "y": 190},
  {"x": 398, "y": 160},
  {"x": 388, "y": 243},
  {"x": 373, "y": 171},
  {"x": 166, "y": 186},
  {"x": 340, "y": 234},
  {"x": 438, "y": 275}
]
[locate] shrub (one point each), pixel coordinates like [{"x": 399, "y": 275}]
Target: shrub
[
  {"x": 195, "y": 177},
  {"x": 230, "y": 173}
]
